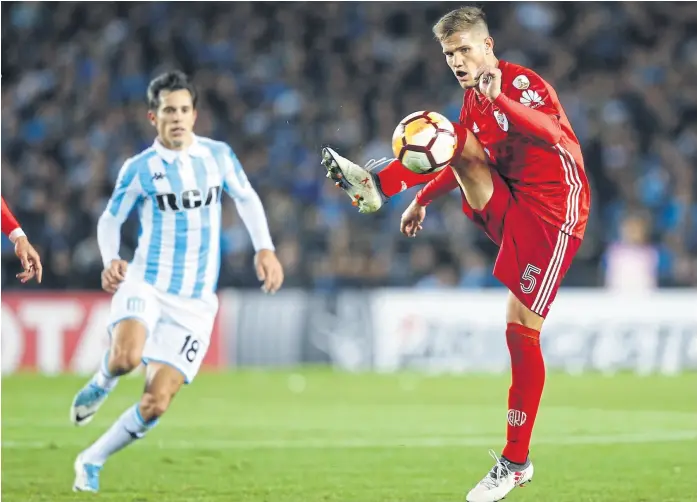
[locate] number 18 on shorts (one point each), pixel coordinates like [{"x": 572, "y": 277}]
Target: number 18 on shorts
[{"x": 177, "y": 346}]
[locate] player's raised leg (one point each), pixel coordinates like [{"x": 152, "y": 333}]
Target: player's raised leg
[
  {"x": 162, "y": 383},
  {"x": 369, "y": 191},
  {"x": 134, "y": 313},
  {"x": 128, "y": 340}
]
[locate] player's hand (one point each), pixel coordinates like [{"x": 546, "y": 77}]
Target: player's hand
[
  {"x": 489, "y": 78},
  {"x": 269, "y": 270},
  {"x": 412, "y": 218},
  {"x": 29, "y": 258},
  {"x": 114, "y": 275}
]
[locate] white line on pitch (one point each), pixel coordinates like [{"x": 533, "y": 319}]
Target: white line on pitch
[{"x": 433, "y": 442}]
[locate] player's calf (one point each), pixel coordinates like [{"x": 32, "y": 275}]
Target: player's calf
[
  {"x": 129, "y": 427},
  {"x": 163, "y": 383},
  {"x": 128, "y": 340}
]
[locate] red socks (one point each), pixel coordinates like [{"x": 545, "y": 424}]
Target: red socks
[
  {"x": 528, "y": 380},
  {"x": 395, "y": 178}
]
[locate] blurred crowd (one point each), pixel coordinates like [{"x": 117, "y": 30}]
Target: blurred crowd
[{"x": 278, "y": 80}]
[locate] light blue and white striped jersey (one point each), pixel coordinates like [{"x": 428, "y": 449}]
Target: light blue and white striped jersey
[{"x": 178, "y": 195}]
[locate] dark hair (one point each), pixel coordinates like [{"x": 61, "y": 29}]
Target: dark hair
[{"x": 170, "y": 81}]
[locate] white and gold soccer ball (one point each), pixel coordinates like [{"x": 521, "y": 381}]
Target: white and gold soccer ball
[{"x": 424, "y": 142}]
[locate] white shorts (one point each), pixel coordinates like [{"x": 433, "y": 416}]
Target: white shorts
[{"x": 179, "y": 329}]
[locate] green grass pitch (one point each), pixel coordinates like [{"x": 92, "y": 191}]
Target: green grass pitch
[{"x": 313, "y": 435}]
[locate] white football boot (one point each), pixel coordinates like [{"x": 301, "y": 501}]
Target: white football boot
[
  {"x": 500, "y": 480},
  {"x": 86, "y": 476},
  {"x": 358, "y": 182}
]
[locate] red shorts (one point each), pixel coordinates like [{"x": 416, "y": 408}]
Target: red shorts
[{"x": 534, "y": 255}]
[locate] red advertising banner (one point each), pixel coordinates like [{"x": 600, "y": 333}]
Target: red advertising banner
[{"x": 65, "y": 332}]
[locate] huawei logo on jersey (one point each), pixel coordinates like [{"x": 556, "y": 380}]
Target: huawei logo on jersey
[{"x": 531, "y": 98}]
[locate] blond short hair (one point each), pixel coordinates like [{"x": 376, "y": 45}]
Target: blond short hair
[{"x": 464, "y": 18}]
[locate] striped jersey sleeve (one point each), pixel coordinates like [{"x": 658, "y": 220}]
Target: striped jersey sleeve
[
  {"x": 235, "y": 181},
  {"x": 127, "y": 191},
  {"x": 247, "y": 201}
]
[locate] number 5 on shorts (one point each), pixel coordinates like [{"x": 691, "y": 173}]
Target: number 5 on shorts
[
  {"x": 529, "y": 277},
  {"x": 190, "y": 348}
]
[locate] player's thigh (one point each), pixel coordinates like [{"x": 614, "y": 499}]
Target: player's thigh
[
  {"x": 533, "y": 259},
  {"x": 135, "y": 311},
  {"x": 473, "y": 172},
  {"x": 491, "y": 218}
]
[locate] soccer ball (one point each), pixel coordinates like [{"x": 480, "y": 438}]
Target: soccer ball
[{"x": 424, "y": 142}]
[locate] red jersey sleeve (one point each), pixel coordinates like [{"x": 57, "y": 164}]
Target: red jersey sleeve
[
  {"x": 440, "y": 185},
  {"x": 531, "y": 107},
  {"x": 10, "y": 226}
]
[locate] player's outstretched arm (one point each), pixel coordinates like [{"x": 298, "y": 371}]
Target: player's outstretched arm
[
  {"x": 251, "y": 210},
  {"x": 538, "y": 119}
]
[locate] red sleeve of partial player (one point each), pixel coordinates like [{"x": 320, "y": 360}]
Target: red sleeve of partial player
[
  {"x": 533, "y": 123},
  {"x": 442, "y": 184},
  {"x": 9, "y": 222}
]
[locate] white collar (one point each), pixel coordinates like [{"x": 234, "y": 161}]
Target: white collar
[{"x": 196, "y": 149}]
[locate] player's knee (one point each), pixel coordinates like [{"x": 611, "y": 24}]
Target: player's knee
[
  {"x": 154, "y": 404},
  {"x": 518, "y": 313},
  {"x": 472, "y": 163},
  {"x": 123, "y": 360}
]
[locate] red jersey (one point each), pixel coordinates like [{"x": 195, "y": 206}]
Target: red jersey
[{"x": 539, "y": 159}]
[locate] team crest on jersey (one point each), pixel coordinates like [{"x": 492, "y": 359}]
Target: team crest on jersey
[
  {"x": 502, "y": 120},
  {"x": 475, "y": 127},
  {"x": 521, "y": 82},
  {"x": 531, "y": 99}
]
